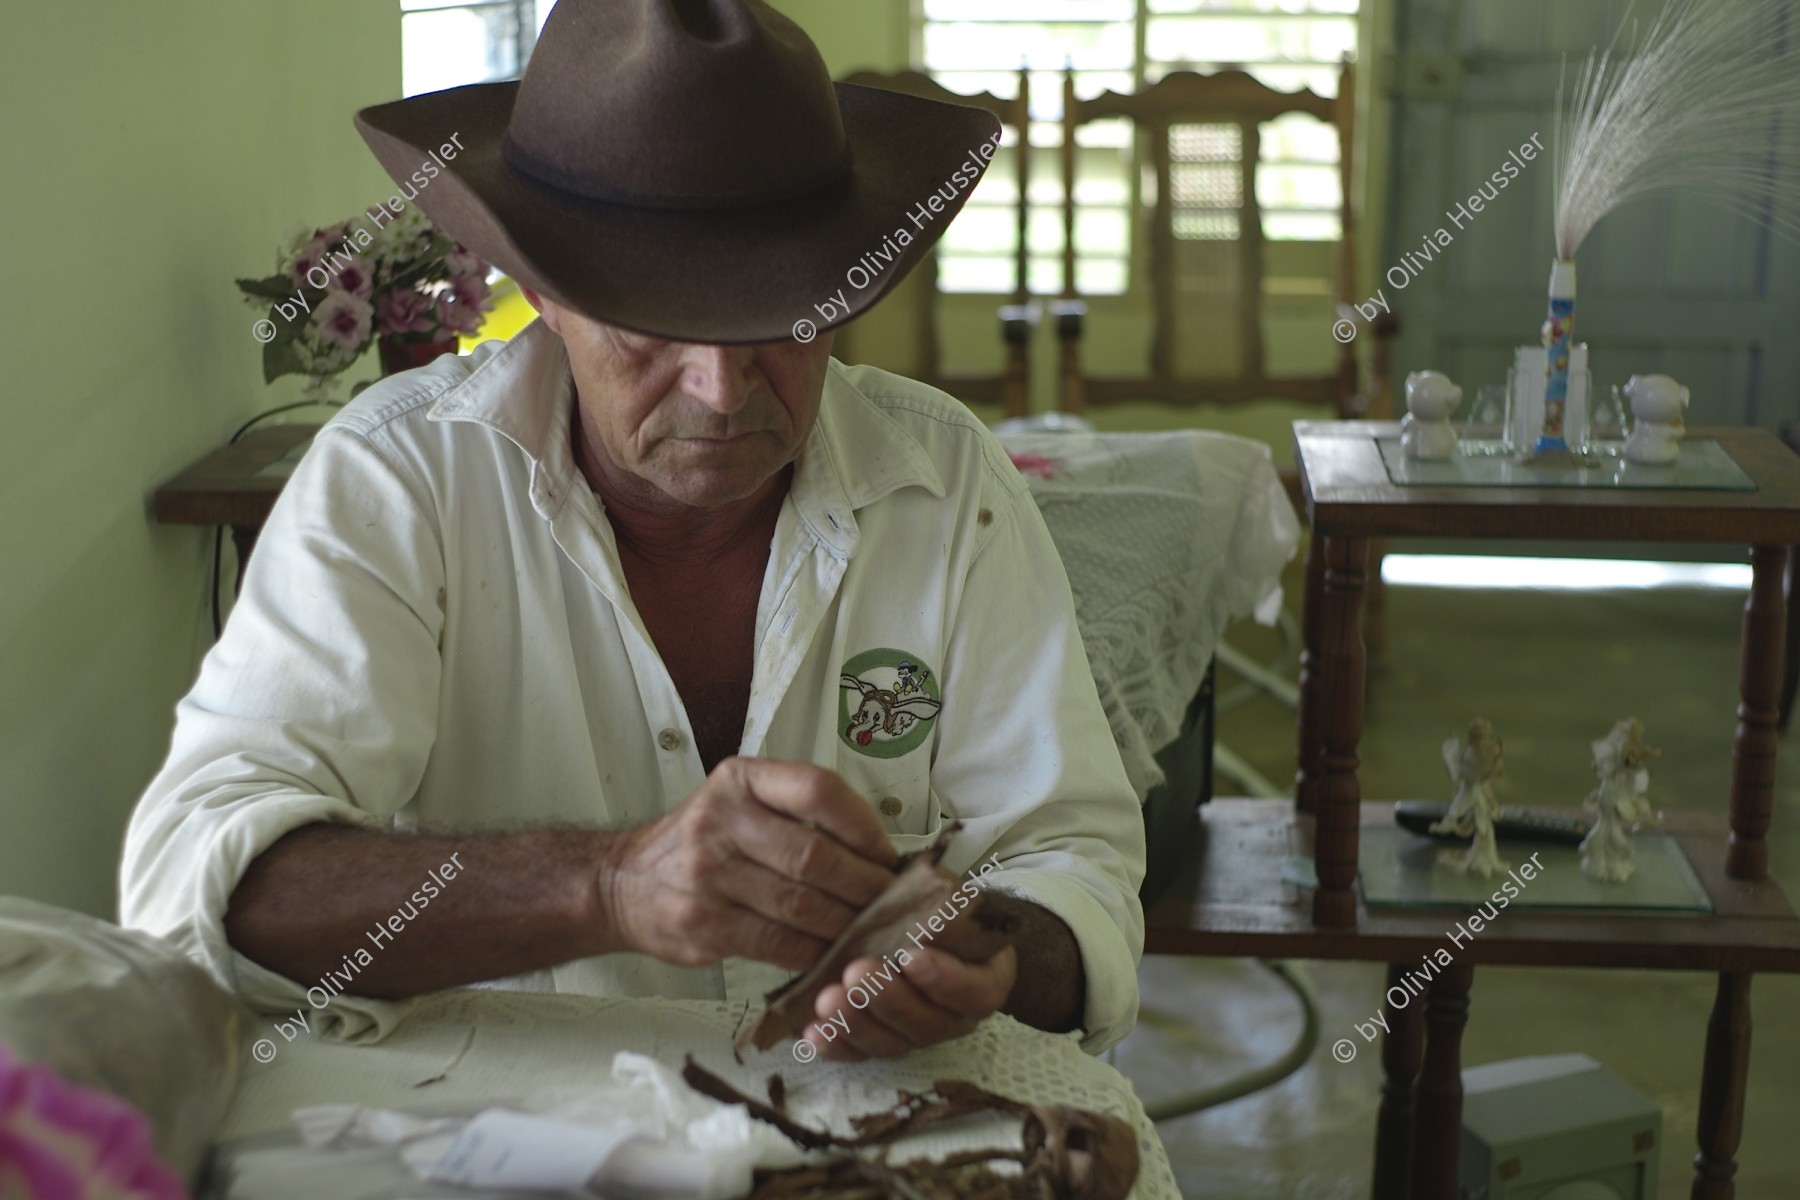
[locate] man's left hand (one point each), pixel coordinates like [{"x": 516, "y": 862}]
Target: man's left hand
[{"x": 934, "y": 998}]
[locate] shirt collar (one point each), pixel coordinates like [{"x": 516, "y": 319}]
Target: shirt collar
[
  {"x": 855, "y": 455},
  {"x": 524, "y": 392}
]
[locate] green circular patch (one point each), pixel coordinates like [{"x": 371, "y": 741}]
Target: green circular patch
[{"x": 887, "y": 700}]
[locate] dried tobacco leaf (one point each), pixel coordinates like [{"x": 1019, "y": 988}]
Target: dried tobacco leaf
[
  {"x": 920, "y": 892},
  {"x": 866, "y": 1179},
  {"x": 1069, "y": 1153},
  {"x": 708, "y": 1084},
  {"x": 1081, "y": 1155}
]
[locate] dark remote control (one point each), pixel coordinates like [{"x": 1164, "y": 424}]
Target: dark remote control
[{"x": 1514, "y": 825}]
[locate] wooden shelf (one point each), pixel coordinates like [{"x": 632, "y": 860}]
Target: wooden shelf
[
  {"x": 1231, "y": 900},
  {"x": 232, "y": 485}
]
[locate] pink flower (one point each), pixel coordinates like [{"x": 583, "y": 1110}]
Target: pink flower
[
  {"x": 402, "y": 310},
  {"x": 343, "y": 320},
  {"x": 311, "y": 255},
  {"x": 461, "y": 262},
  {"x": 59, "y": 1141},
  {"x": 356, "y": 277},
  {"x": 456, "y": 316},
  {"x": 472, "y": 290}
]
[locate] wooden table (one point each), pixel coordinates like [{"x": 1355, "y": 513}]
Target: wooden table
[
  {"x": 1232, "y": 901},
  {"x": 235, "y": 485}
]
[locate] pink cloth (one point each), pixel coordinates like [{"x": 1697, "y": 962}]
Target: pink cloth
[
  {"x": 60, "y": 1141},
  {"x": 1033, "y": 464}
]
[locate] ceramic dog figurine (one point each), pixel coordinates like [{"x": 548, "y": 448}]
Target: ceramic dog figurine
[
  {"x": 1425, "y": 431},
  {"x": 1657, "y": 404}
]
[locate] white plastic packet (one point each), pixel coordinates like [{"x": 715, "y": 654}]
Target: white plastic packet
[{"x": 644, "y": 1134}]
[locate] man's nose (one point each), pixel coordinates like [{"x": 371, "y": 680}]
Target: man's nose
[{"x": 719, "y": 376}]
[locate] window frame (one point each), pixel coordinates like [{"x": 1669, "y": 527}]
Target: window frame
[
  {"x": 527, "y": 19},
  {"x": 1143, "y": 70}
]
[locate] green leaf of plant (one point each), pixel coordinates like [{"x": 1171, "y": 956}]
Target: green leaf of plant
[{"x": 275, "y": 287}]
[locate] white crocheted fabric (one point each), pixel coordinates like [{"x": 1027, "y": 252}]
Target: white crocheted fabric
[
  {"x": 1167, "y": 538},
  {"x": 465, "y": 1050}
]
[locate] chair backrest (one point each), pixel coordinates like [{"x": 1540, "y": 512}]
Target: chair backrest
[
  {"x": 901, "y": 334},
  {"x": 1206, "y": 250}
]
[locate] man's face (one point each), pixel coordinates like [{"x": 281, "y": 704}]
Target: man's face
[{"x": 699, "y": 426}]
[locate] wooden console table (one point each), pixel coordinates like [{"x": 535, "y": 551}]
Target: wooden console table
[{"x": 1233, "y": 901}]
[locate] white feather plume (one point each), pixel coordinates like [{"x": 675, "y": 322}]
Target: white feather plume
[{"x": 1709, "y": 103}]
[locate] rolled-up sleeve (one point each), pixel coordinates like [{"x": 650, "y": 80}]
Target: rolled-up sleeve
[
  {"x": 319, "y": 703},
  {"x": 1026, "y": 761}
]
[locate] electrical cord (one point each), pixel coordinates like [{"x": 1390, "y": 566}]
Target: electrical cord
[
  {"x": 1293, "y": 975},
  {"x": 218, "y": 548}
]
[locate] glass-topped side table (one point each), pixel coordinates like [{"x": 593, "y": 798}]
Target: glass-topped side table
[{"x": 1352, "y": 496}]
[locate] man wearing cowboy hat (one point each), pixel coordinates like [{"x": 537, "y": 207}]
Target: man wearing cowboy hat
[{"x": 594, "y": 610}]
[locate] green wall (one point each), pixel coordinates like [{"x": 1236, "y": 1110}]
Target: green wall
[
  {"x": 152, "y": 153},
  {"x": 855, "y": 35}
]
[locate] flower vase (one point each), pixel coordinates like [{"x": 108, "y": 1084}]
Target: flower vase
[{"x": 398, "y": 355}]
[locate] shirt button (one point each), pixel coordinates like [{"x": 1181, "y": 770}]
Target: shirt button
[
  {"x": 669, "y": 739},
  {"x": 890, "y": 806}
]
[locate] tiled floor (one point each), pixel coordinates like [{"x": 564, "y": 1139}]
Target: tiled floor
[{"x": 1552, "y": 671}]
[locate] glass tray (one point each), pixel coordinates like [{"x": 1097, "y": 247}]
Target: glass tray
[
  {"x": 1703, "y": 466},
  {"x": 1400, "y": 869}
]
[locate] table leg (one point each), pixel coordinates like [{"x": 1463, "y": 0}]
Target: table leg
[
  {"x": 1726, "y": 1071},
  {"x": 1759, "y": 686},
  {"x": 1790, "y": 667},
  {"x": 1437, "y": 1122},
  {"x": 1338, "y": 803},
  {"x": 1311, "y": 733},
  {"x": 1402, "y": 1050},
  {"x": 1375, "y": 606}
]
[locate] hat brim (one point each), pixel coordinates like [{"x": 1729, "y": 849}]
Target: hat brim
[{"x": 721, "y": 275}]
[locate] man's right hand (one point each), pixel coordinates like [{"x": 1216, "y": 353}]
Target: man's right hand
[{"x": 766, "y": 860}]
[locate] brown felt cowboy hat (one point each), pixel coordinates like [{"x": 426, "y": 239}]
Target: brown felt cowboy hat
[{"x": 686, "y": 168}]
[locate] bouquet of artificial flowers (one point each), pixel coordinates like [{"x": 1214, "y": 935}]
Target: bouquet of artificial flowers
[{"x": 337, "y": 289}]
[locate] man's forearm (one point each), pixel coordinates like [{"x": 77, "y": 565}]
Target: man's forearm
[
  {"x": 323, "y": 892},
  {"x": 1051, "y": 990}
]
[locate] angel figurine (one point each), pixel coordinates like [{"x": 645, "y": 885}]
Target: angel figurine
[
  {"x": 1620, "y": 802},
  {"x": 1474, "y": 761}
]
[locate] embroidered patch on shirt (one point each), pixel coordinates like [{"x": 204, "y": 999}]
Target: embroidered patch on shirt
[{"x": 887, "y": 703}]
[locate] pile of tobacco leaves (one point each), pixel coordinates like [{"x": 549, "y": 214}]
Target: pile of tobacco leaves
[{"x": 1068, "y": 1153}]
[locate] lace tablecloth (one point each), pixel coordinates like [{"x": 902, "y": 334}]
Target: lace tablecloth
[
  {"x": 1167, "y": 538},
  {"x": 469, "y": 1049}
]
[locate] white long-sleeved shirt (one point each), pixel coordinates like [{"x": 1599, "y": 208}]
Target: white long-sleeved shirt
[{"x": 435, "y": 634}]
